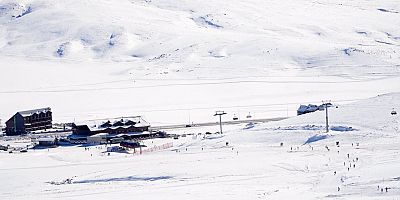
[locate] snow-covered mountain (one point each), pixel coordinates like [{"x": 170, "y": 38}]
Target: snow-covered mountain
[
  {"x": 267, "y": 34},
  {"x": 279, "y": 51},
  {"x": 178, "y": 61}
]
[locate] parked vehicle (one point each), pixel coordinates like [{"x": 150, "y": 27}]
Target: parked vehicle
[{"x": 4, "y": 148}]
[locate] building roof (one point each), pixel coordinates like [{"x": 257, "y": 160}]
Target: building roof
[
  {"x": 115, "y": 123},
  {"x": 46, "y": 139},
  {"x": 31, "y": 112},
  {"x": 99, "y": 135},
  {"x": 133, "y": 134}
]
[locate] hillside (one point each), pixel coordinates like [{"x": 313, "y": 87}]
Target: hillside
[
  {"x": 253, "y": 165},
  {"x": 195, "y": 56}
]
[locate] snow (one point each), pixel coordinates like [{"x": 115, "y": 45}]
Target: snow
[
  {"x": 168, "y": 61},
  {"x": 253, "y": 165},
  {"x": 177, "y": 62}
]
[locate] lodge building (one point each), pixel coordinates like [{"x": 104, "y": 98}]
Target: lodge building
[
  {"x": 24, "y": 122},
  {"x": 112, "y": 126}
]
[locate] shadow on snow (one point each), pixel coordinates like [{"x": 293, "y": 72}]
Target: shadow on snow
[{"x": 128, "y": 178}]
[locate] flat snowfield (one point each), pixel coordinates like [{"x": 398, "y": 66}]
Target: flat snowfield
[
  {"x": 253, "y": 165},
  {"x": 179, "y": 61}
]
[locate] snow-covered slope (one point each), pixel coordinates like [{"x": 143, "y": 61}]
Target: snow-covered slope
[
  {"x": 373, "y": 113},
  {"x": 193, "y": 54},
  {"x": 291, "y": 34},
  {"x": 253, "y": 165}
]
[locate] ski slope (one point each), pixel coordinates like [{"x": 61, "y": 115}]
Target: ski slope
[
  {"x": 178, "y": 62},
  {"x": 253, "y": 166}
]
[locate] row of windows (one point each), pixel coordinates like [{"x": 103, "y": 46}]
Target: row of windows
[
  {"x": 37, "y": 124},
  {"x": 29, "y": 119}
]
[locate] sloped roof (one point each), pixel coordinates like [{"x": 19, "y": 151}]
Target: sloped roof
[
  {"x": 46, "y": 139},
  {"x": 31, "y": 112},
  {"x": 126, "y": 122}
]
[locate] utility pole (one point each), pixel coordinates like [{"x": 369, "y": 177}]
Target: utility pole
[
  {"x": 325, "y": 103},
  {"x": 220, "y": 113}
]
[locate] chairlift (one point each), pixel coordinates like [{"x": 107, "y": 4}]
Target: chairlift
[
  {"x": 235, "y": 117},
  {"x": 248, "y": 116}
]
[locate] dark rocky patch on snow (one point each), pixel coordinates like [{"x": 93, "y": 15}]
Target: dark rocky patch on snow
[
  {"x": 206, "y": 21},
  {"x": 62, "y": 50},
  {"x": 14, "y": 10},
  {"x": 382, "y": 42},
  {"x": 136, "y": 56},
  {"x": 388, "y": 11},
  {"x": 392, "y": 37},
  {"x": 362, "y": 33},
  {"x": 113, "y": 39},
  {"x": 161, "y": 56},
  {"x": 350, "y": 50},
  {"x": 27, "y": 11}
]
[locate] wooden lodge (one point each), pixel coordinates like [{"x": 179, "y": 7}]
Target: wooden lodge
[{"x": 24, "y": 122}]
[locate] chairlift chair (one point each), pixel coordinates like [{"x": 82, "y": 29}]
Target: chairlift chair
[
  {"x": 248, "y": 116},
  {"x": 235, "y": 117}
]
